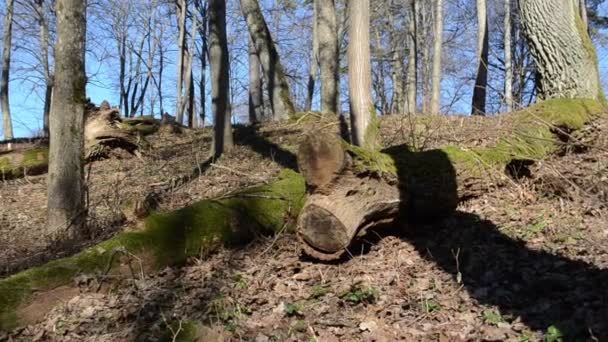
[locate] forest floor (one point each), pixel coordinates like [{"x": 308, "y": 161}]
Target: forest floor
[{"x": 512, "y": 265}]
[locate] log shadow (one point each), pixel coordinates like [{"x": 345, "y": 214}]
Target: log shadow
[{"x": 541, "y": 288}]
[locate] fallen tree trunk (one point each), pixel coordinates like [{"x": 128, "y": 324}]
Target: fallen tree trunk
[
  {"x": 105, "y": 133},
  {"x": 167, "y": 239},
  {"x": 382, "y": 186}
]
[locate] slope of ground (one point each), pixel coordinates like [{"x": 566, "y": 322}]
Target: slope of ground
[{"x": 515, "y": 264}]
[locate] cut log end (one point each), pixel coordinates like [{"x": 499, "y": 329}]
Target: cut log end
[
  {"x": 321, "y": 157},
  {"x": 323, "y": 230}
]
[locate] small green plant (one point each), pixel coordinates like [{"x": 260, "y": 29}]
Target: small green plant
[
  {"x": 240, "y": 282},
  {"x": 293, "y": 309},
  {"x": 493, "y": 317},
  {"x": 430, "y": 306},
  {"x": 554, "y": 334},
  {"x": 318, "y": 291},
  {"x": 359, "y": 295},
  {"x": 535, "y": 230},
  {"x": 299, "y": 326}
]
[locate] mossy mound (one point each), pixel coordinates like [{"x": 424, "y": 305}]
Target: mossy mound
[
  {"x": 168, "y": 239},
  {"x": 27, "y": 162}
]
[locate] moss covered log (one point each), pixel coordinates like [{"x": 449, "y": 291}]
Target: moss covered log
[
  {"x": 168, "y": 239},
  {"x": 396, "y": 182},
  {"x": 30, "y": 162}
]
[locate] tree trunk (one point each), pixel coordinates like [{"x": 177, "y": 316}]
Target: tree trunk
[
  {"x": 313, "y": 69},
  {"x": 48, "y": 75},
  {"x": 411, "y": 81},
  {"x": 508, "y": 57},
  {"x": 66, "y": 177},
  {"x": 329, "y": 55},
  {"x": 582, "y": 9},
  {"x": 179, "y": 113},
  {"x": 256, "y": 97},
  {"x": 362, "y": 112},
  {"x": 481, "y": 82},
  {"x": 220, "y": 82},
  {"x": 6, "y": 65},
  {"x": 397, "y": 64},
  {"x": 437, "y": 51},
  {"x": 281, "y": 103},
  {"x": 565, "y": 58}
]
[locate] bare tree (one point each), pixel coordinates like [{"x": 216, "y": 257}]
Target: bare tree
[
  {"x": 65, "y": 179},
  {"x": 437, "y": 51},
  {"x": 313, "y": 68},
  {"x": 256, "y": 96},
  {"x": 281, "y": 103},
  {"x": 508, "y": 57},
  {"x": 359, "y": 73},
  {"x": 220, "y": 82},
  {"x": 329, "y": 58},
  {"x": 6, "y": 65},
  {"x": 481, "y": 82},
  {"x": 411, "y": 81}
]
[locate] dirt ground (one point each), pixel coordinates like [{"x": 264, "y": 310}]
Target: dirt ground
[{"x": 512, "y": 265}]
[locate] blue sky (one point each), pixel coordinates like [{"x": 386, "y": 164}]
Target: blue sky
[{"x": 27, "y": 99}]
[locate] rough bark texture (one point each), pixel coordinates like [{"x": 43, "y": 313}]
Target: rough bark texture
[
  {"x": 256, "y": 96},
  {"x": 565, "y": 57},
  {"x": 6, "y": 64},
  {"x": 181, "y": 7},
  {"x": 329, "y": 54},
  {"x": 313, "y": 69},
  {"x": 481, "y": 82},
  {"x": 66, "y": 176},
  {"x": 359, "y": 72},
  {"x": 411, "y": 82},
  {"x": 508, "y": 57},
  {"x": 280, "y": 97},
  {"x": 379, "y": 187},
  {"x": 437, "y": 51},
  {"x": 220, "y": 77}
]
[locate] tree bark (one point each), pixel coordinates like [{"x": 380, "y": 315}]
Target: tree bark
[
  {"x": 565, "y": 57},
  {"x": 481, "y": 82},
  {"x": 359, "y": 73},
  {"x": 6, "y": 65},
  {"x": 220, "y": 82},
  {"x": 256, "y": 96},
  {"x": 437, "y": 51},
  {"x": 329, "y": 55},
  {"x": 66, "y": 176},
  {"x": 281, "y": 103},
  {"x": 179, "y": 113},
  {"x": 48, "y": 74},
  {"x": 508, "y": 57},
  {"x": 313, "y": 69},
  {"x": 411, "y": 82},
  {"x": 397, "y": 61}
]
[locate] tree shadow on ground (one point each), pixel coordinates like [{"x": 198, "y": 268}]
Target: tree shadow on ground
[
  {"x": 252, "y": 137},
  {"x": 541, "y": 288}
]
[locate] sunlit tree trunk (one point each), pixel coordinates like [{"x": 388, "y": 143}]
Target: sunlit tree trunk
[
  {"x": 220, "y": 73},
  {"x": 329, "y": 54},
  {"x": 256, "y": 97},
  {"x": 44, "y": 50},
  {"x": 65, "y": 179},
  {"x": 179, "y": 113},
  {"x": 565, "y": 58},
  {"x": 411, "y": 82},
  {"x": 481, "y": 82},
  {"x": 508, "y": 57},
  {"x": 6, "y": 64},
  {"x": 437, "y": 51},
  {"x": 281, "y": 103},
  {"x": 359, "y": 72},
  {"x": 313, "y": 69}
]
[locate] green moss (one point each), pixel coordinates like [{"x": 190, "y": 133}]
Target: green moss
[{"x": 168, "y": 239}]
